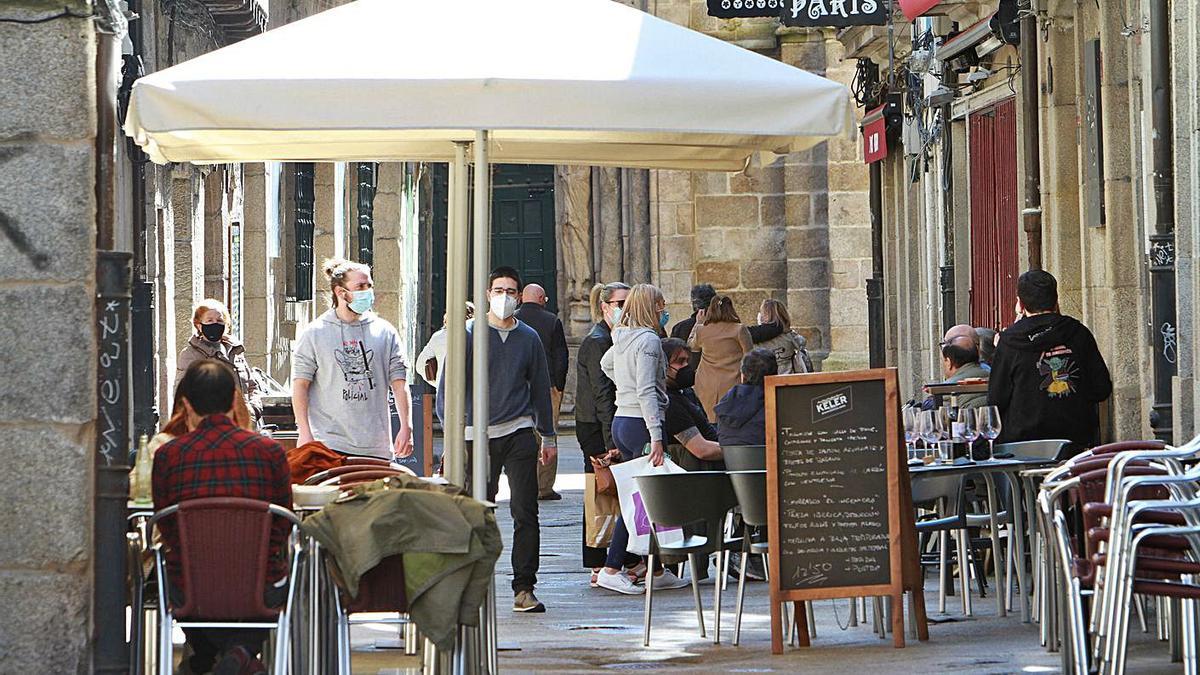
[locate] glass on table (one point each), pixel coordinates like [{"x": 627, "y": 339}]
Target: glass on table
[
  {"x": 969, "y": 417},
  {"x": 988, "y": 424},
  {"x": 933, "y": 429},
  {"x": 911, "y": 432}
]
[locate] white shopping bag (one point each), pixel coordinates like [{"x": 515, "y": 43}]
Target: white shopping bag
[{"x": 632, "y": 510}]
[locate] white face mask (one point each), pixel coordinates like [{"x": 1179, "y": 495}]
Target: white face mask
[{"x": 502, "y": 306}]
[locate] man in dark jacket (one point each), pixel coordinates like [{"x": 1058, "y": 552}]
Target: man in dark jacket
[
  {"x": 742, "y": 412},
  {"x": 1048, "y": 376},
  {"x": 550, "y": 329}
]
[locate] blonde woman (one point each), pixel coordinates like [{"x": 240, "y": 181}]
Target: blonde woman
[
  {"x": 212, "y": 340},
  {"x": 789, "y": 348},
  {"x": 636, "y": 365},
  {"x": 722, "y": 341}
]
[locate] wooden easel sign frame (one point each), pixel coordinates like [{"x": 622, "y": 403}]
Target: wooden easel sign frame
[{"x": 837, "y": 490}]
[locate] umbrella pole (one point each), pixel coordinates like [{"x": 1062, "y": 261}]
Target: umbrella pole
[
  {"x": 482, "y": 237},
  {"x": 454, "y": 440}
]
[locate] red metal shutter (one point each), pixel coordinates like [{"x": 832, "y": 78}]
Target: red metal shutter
[{"x": 993, "y": 189}]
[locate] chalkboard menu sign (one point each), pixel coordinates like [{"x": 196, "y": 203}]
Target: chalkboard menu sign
[
  {"x": 839, "y": 502},
  {"x": 832, "y": 485}
]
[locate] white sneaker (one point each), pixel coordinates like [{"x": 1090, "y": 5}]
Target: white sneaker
[
  {"x": 618, "y": 582},
  {"x": 667, "y": 580}
]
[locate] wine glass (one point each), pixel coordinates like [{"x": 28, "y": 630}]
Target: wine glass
[
  {"x": 969, "y": 418},
  {"x": 911, "y": 432},
  {"x": 932, "y": 428},
  {"x": 988, "y": 423}
]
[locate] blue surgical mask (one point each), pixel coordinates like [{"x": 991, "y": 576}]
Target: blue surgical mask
[
  {"x": 616, "y": 315},
  {"x": 363, "y": 300},
  {"x": 663, "y": 318}
]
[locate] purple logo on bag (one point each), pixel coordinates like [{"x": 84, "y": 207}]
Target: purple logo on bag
[{"x": 641, "y": 521}]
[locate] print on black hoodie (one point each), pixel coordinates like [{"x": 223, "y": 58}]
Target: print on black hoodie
[{"x": 1048, "y": 378}]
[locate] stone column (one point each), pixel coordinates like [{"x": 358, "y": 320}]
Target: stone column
[
  {"x": 606, "y": 222},
  {"x": 257, "y": 287},
  {"x": 164, "y": 289},
  {"x": 675, "y": 248},
  {"x": 47, "y": 394},
  {"x": 573, "y": 204},
  {"x": 1061, "y": 225},
  {"x": 806, "y": 210},
  {"x": 216, "y": 235},
  {"x": 187, "y": 208},
  {"x": 325, "y": 208},
  {"x": 1114, "y": 297},
  {"x": 849, "y": 225},
  {"x": 389, "y": 282}
]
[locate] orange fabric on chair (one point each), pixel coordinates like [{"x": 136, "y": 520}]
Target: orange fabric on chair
[{"x": 312, "y": 458}]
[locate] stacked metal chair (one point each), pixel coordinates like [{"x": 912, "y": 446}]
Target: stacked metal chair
[{"x": 1121, "y": 521}]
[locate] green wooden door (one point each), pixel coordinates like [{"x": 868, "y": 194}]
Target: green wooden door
[
  {"x": 523, "y": 224},
  {"x": 522, "y": 229}
]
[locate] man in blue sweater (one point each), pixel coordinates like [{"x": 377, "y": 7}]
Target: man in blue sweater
[{"x": 518, "y": 402}]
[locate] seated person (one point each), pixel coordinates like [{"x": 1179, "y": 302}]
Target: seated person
[
  {"x": 742, "y": 412},
  {"x": 960, "y": 361},
  {"x": 220, "y": 459},
  {"x": 685, "y": 421}
]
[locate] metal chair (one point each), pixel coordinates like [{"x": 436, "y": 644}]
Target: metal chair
[
  {"x": 325, "y": 477},
  {"x": 944, "y": 496},
  {"x": 379, "y": 590},
  {"x": 224, "y": 546},
  {"x": 745, "y": 457},
  {"x": 679, "y": 500}
]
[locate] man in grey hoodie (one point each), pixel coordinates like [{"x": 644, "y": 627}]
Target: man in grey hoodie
[
  {"x": 518, "y": 402},
  {"x": 342, "y": 367}
]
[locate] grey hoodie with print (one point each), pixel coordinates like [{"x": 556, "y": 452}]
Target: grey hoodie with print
[
  {"x": 351, "y": 367},
  {"x": 635, "y": 363}
]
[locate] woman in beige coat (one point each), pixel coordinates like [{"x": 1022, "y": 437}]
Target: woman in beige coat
[{"x": 722, "y": 340}]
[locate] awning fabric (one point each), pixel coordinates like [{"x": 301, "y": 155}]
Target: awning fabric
[
  {"x": 554, "y": 81},
  {"x": 914, "y": 8}
]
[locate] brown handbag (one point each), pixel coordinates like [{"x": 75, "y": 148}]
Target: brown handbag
[{"x": 605, "y": 483}]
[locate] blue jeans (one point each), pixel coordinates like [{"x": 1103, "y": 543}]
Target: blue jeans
[{"x": 631, "y": 438}]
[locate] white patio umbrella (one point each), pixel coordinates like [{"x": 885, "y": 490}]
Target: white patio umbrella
[{"x": 522, "y": 81}]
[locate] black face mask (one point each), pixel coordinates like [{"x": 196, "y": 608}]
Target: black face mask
[
  {"x": 685, "y": 377},
  {"x": 212, "y": 331}
]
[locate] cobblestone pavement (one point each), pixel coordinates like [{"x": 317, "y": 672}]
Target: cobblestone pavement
[{"x": 587, "y": 629}]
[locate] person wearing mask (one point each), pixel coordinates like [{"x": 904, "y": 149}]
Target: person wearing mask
[
  {"x": 430, "y": 360},
  {"x": 596, "y": 400},
  {"x": 789, "y": 347},
  {"x": 218, "y": 458},
  {"x": 1048, "y": 376},
  {"x": 685, "y": 421},
  {"x": 213, "y": 340},
  {"x": 636, "y": 366},
  {"x": 518, "y": 404},
  {"x": 721, "y": 340},
  {"x": 549, "y": 328},
  {"x": 342, "y": 367}
]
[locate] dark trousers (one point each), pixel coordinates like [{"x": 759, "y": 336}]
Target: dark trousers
[
  {"x": 631, "y": 437},
  {"x": 517, "y": 455},
  {"x": 209, "y": 643},
  {"x": 591, "y": 441}
]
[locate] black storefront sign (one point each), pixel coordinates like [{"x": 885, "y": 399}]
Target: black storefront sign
[
  {"x": 741, "y": 9},
  {"x": 837, "y": 13}
]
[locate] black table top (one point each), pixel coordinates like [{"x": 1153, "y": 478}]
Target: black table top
[{"x": 983, "y": 466}]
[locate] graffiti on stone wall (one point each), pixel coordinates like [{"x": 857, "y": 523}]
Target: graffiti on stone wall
[{"x": 39, "y": 259}]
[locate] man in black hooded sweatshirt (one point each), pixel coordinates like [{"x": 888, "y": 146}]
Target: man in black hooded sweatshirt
[{"x": 1048, "y": 376}]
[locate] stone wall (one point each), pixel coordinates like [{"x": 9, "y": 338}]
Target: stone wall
[{"x": 47, "y": 392}]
